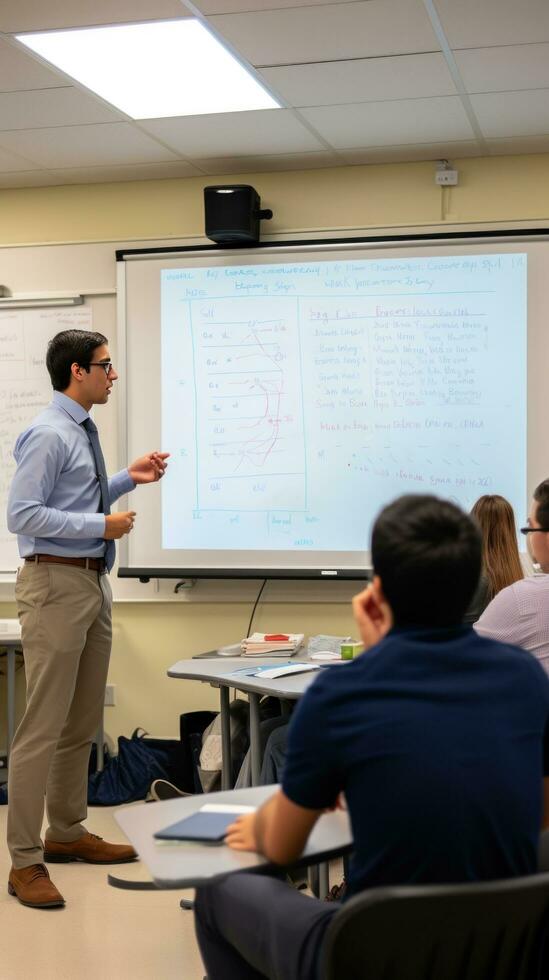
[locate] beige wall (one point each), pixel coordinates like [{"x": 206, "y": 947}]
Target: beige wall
[
  {"x": 490, "y": 190},
  {"x": 149, "y": 637}
]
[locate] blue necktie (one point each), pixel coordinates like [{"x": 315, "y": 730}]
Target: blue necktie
[{"x": 100, "y": 469}]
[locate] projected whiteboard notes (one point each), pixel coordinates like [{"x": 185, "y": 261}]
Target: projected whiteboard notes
[
  {"x": 249, "y": 407},
  {"x": 298, "y": 398}
]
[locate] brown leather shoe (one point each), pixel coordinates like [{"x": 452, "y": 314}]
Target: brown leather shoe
[
  {"x": 89, "y": 848},
  {"x": 33, "y": 886}
]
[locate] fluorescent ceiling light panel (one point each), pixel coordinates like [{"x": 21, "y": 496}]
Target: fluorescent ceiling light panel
[{"x": 148, "y": 71}]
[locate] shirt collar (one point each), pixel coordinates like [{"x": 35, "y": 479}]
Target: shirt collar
[{"x": 69, "y": 406}]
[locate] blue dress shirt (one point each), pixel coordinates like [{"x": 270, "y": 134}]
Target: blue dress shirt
[{"x": 54, "y": 498}]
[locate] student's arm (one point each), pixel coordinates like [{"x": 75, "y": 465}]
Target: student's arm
[{"x": 279, "y": 829}]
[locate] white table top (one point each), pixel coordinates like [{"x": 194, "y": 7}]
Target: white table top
[
  {"x": 219, "y": 672},
  {"x": 186, "y": 864},
  {"x": 10, "y": 631}
]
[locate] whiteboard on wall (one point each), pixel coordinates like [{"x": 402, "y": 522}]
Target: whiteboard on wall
[
  {"x": 90, "y": 269},
  {"x": 25, "y": 390}
]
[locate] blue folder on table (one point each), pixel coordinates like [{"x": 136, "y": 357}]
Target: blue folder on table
[{"x": 208, "y": 828}]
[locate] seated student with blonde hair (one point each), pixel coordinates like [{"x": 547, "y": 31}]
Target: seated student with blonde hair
[
  {"x": 501, "y": 565},
  {"x": 435, "y": 735},
  {"x": 519, "y": 614}
]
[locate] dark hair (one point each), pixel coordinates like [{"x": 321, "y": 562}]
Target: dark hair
[
  {"x": 541, "y": 496},
  {"x": 68, "y": 347},
  {"x": 427, "y": 553}
]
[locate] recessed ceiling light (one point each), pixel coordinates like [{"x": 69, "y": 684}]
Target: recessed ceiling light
[{"x": 164, "y": 68}]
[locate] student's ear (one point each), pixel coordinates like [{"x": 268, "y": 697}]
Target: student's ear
[{"x": 377, "y": 588}]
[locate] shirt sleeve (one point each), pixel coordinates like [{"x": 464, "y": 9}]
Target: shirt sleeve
[
  {"x": 40, "y": 460},
  {"x": 501, "y": 619},
  {"x": 119, "y": 484},
  {"x": 312, "y": 778}
]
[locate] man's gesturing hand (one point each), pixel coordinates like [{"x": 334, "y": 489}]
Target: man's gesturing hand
[
  {"x": 116, "y": 525},
  {"x": 149, "y": 468}
]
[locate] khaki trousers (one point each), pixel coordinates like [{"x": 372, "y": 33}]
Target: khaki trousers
[{"x": 65, "y": 615}]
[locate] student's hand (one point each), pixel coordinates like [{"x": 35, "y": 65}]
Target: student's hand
[
  {"x": 149, "y": 468},
  {"x": 116, "y": 525},
  {"x": 241, "y": 833},
  {"x": 373, "y": 616}
]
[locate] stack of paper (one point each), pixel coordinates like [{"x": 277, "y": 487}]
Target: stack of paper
[{"x": 259, "y": 644}]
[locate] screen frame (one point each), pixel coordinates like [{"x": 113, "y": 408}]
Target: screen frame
[{"x": 359, "y": 574}]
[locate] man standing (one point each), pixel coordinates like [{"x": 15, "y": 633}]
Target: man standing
[
  {"x": 60, "y": 507},
  {"x": 434, "y": 734},
  {"x": 520, "y": 613}
]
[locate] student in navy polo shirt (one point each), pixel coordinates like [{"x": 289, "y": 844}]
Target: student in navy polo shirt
[{"x": 436, "y": 736}]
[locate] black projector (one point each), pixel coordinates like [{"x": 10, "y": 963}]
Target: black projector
[{"x": 233, "y": 213}]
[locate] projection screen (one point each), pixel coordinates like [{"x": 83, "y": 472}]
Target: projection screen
[{"x": 299, "y": 388}]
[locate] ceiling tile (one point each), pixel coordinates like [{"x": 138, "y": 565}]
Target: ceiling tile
[
  {"x": 519, "y": 144},
  {"x": 267, "y": 164},
  {"x": 453, "y": 151},
  {"x": 234, "y": 133},
  {"x": 52, "y": 107},
  {"x": 19, "y": 71},
  {"x": 14, "y": 162},
  {"x": 74, "y": 146},
  {"x": 515, "y": 66},
  {"x": 328, "y": 33},
  {"x": 363, "y": 80},
  {"x": 391, "y": 123},
  {"x": 142, "y": 171},
  {"x": 236, "y": 6},
  {"x": 512, "y": 113},
  {"x": 18, "y": 16},
  {"x": 483, "y": 23},
  {"x": 29, "y": 178}
]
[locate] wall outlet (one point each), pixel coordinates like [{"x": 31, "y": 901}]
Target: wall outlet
[
  {"x": 110, "y": 695},
  {"x": 446, "y": 178}
]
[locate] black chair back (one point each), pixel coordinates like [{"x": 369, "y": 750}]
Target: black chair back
[{"x": 486, "y": 931}]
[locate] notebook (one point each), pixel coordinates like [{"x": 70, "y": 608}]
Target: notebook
[
  {"x": 272, "y": 671},
  {"x": 208, "y": 825}
]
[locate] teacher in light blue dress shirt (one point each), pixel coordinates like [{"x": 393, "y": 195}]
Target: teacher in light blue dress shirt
[{"x": 60, "y": 508}]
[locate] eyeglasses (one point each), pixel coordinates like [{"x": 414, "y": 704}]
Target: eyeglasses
[
  {"x": 106, "y": 365},
  {"x": 530, "y": 530}
]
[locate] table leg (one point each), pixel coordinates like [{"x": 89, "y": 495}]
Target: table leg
[
  {"x": 284, "y": 708},
  {"x": 11, "y": 697},
  {"x": 319, "y": 879},
  {"x": 255, "y": 738},
  {"x": 100, "y": 742},
  {"x": 227, "y": 762},
  {"x": 324, "y": 879}
]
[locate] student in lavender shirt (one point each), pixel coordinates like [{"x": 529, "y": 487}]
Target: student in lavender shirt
[
  {"x": 519, "y": 614},
  {"x": 436, "y": 736}
]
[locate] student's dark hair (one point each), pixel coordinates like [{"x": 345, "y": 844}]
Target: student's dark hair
[
  {"x": 427, "y": 553},
  {"x": 68, "y": 347},
  {"x": 541, "y": 496}
]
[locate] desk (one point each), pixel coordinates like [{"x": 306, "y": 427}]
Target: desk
[
  {"x": 10, "y": 638},
  {"x": 187, "y": 865},
  {"x": 219, "y": 672}
]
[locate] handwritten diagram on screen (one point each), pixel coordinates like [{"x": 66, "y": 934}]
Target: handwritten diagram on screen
[{"x": 298, "y": 398}]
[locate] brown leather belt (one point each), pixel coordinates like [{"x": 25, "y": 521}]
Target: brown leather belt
[{"x": 94, "y": 564}]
